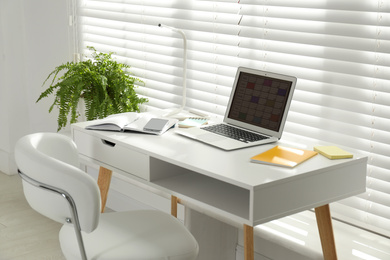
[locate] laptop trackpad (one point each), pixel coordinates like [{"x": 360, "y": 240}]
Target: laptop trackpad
[{"x": 210, "y": 137}]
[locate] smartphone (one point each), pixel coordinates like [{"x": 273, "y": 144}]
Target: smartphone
[{"x": 156, "y": 125}]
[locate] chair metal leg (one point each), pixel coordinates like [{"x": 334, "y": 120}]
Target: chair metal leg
[
  {"x": 72, "y": 206},
  {"x": 76, "y": 224}
]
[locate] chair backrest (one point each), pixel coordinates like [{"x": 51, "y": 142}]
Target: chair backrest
[{"x": 52, "y": 159}]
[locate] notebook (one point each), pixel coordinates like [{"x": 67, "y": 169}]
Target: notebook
[
  {"x": 258, "y": 104},
  {"x": 283, "y": 156}
]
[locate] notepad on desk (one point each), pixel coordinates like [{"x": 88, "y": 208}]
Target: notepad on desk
[
  {"x": 192, "y": 122},
  {"x": 332, "y": 152},
  {"x": 283, "y": 156}
]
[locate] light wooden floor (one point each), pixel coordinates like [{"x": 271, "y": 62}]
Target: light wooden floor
[{"x": 24, "y": 233}]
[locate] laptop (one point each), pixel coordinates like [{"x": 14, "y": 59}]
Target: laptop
[{"x": 256, "y": 112}]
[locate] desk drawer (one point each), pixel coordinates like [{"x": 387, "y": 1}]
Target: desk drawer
[{"x": 112, "y": 154}]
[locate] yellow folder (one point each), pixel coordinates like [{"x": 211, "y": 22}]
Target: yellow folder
[
  {"x": 333, "y": 152},
  {"x": 283, "y": 156}
]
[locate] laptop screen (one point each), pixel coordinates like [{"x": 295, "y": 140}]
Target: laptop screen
[{"x": 260, "y": 99}]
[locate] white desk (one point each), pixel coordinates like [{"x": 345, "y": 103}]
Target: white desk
[{"x": 223, "y": 184}]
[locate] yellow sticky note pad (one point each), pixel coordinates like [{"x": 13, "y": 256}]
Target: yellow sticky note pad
[{"x": 333, "y": 152}]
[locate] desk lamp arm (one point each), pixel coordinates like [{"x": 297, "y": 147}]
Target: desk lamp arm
[{"x": 176, "y": 111}]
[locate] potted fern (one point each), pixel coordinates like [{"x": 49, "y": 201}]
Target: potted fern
[{"x": 101, "y": 82}]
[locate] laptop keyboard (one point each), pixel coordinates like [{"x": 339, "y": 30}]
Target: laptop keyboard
[{"x": 235, "y": 133}]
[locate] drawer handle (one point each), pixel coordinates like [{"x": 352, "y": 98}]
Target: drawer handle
[{"x": 111, "y": 144}]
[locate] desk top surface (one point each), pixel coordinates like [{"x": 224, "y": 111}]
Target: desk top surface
[{"x": 230, "y": 166}]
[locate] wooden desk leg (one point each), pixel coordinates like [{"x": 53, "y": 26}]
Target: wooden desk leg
[
  {"x": 248, "y": 243},
  {"x": 325, "y": 228},
  {"x": 174, "y": 201},
  {"x": 104, "y": 181}
]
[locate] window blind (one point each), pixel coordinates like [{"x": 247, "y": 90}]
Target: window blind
[
  {"x": 338, "y": 50},
  {"x": 130, "y": 29}
]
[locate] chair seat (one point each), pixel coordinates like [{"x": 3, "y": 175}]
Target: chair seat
[{"x": 144, "y": 234}]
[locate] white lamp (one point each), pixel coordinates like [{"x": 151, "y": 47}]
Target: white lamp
[{"x": 178, "y": 110}]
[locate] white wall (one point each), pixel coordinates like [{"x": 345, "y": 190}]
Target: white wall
[{"x": 34, "y": 38}]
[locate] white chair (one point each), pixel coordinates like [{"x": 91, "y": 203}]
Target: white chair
[{"x": 55, "y": 187}]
